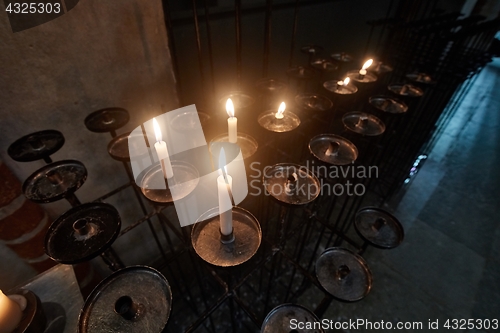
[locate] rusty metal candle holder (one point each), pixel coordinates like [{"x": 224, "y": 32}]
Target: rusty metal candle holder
[
  {"x": 211, "y": 246},
  {"x": 378, "y": 228},
  {"x": 363, "y": 123},
  {"x": 83, "y": 233},
  {"x": 133, "y": 299},
  {"x": 388, "y": 104},
  {"x": 344, "y": 274},
  {"x": 55, "y": 181},
  {"x": 33, "y": 319},
  {"x": 278, "y": 319},
  {"x": 333, "y": 149},
  {"x": 36, "y": 146},
  {"x": 107, "y": 120}
]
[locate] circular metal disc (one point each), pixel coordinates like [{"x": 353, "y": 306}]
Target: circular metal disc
[
  {"x": 278, "y": 320},
  {"x": 311, "y": 49},
  {"x": 270, "y": 85},
  {"x": 268, "y": 120},
  {"x": 344, "y": 274},
  {"x": 55, "y": 181},
  {"x": 313, "y": 102},
  {"x": 188, "y": 121},
  {"x": 406, "y": 90},
  {"x": 324, "y": 65},
  {"x": 36, "y": 146},
  {"x": 300, "y": 72},
  {"x": 380, "y": 68},
  {"x": 420, "y": 78},
  {"x": 239, "y": 98},
  {"x": 247, "y": 143},
  {"x": 379, "y": 228},
  {"x": 342, "y": 57},
  {"x": 321, "y": 147},
  {"x": 145, "y": 286},
  {"x": 363, "y": 123},
  {"x": 307, "y": 186},
  {"x": 106, "y": 120},
  {"x": 34, "y": 319},
  {"x": 388, "y": 104},
  {"x": 341, "y": 90},
  {"x": 154, "y": 187},
  {"x": 67, "y": 246},
  {"x": 118, "y": 148},
  {"x": 368, "y": 78},
  {"x": 205, "y": 237}
]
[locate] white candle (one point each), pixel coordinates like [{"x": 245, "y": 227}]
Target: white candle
[
  {"x": 362, "y": 71},
  {"x": 10, "y": 313},
  {"x": 231, "y": 122},
  {"x": 224, "y": 188},
  {"x": 343, "y": 83},
  {"x": 226, "y": 216},
  {"x": 281, "y": 110},
  {"x": 162, "y": 152}
]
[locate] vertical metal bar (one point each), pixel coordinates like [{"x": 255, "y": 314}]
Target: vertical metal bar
[
  {"x": 238, "y": 41},
  {"x": 209, "y": 41},
  {"x": 171, "y": 46},
  {"x": 294, "y": 31},
  {"x": 198, "y": 42},
  {"x": 267, "y": 38}
]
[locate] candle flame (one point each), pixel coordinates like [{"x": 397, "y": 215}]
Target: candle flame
[
  {"x": 222, "y": 162},
  {"x": 346, "y": 81},
  {"x": 282, "y": 108},
  {"x": 230, "y": 108},
  {"x": 157, "y": 130},
  {"x": 367, "y": 64}
]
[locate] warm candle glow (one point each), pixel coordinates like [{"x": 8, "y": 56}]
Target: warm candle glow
[
  {"x": 367, "y": 64},
  {"x": 281, "y": 109},
  {"x": 346, "y": 81},
  {"x": 10, "y": 314},
  {"x": 157, "y": 130},
  {"x": 230, "y": 108}
]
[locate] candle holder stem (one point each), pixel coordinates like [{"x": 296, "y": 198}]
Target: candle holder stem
[
  {"x": 227, "y": 239},
  {"x": 112, "y": 260}
]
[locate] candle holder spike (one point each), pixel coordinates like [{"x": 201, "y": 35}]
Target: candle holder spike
[
  {"x": 36, "y": 146},
  {"x": 363, "y": 123},
  {"x": 388, "y": 104},
  {"x": 379, "y": 228},
  {"x": 107, "y": 120},
  {"x": 405, "y": 90},
  {"x": 345, "y": 151}
]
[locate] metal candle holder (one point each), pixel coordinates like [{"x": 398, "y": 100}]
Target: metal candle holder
[
  {"x": 186, "y": 179},
  {"x": 379, "y": 228},
  {"x": 344, "y": 274},
  {"x": 278, "y": 319},
  {"x": 56, "y": 181},
  {"x": 363, "y": 123},
  {"x": 33, "y": 319},
  {"x": 214, "y": 248},
  {"x": 313, "y": 102},
  {"x": 270, "y": 85},
  {"x": 388, "y": 104},
  {"x": 367, "y": 78},
  {"x": 133, "y": 299},
  {"x": 268, "y": 120},
  {"x": 334, "y": 87},
  {"x": 405, "y": 90},
  {"x": 247, "y": 143},
  {"x": 333, "y": 149},
  {"x": 240, "y": 99},
  {"x": 36, "y": 146},
  {"x": 83, "y": 233},
  {"x": 107, "y": 120},
  {"x": 422, "y": 78}
]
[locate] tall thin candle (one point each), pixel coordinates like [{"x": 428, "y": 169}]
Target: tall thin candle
[
  {"x": 162, "y": 152},
  {"x": 231, "y": 122},
  {"x": 224, "y": 186}
]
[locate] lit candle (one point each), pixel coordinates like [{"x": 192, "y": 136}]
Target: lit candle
[
  {"x": 11, "y": 312},
  {"x": 162, "y": 152},
  {"x": 231, "y": 122},
  {"x": 224, "y": 186},
  {"x": 281, "y": 109},
  {"x": 340, "y": 84},
  {"x": 362, "y": 71}
]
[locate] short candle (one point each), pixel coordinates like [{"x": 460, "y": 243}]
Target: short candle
[
  {"x": 11, "y": 313},
  {"x": 281, "y": 110},
  {"x": 232, "y": 122}
]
